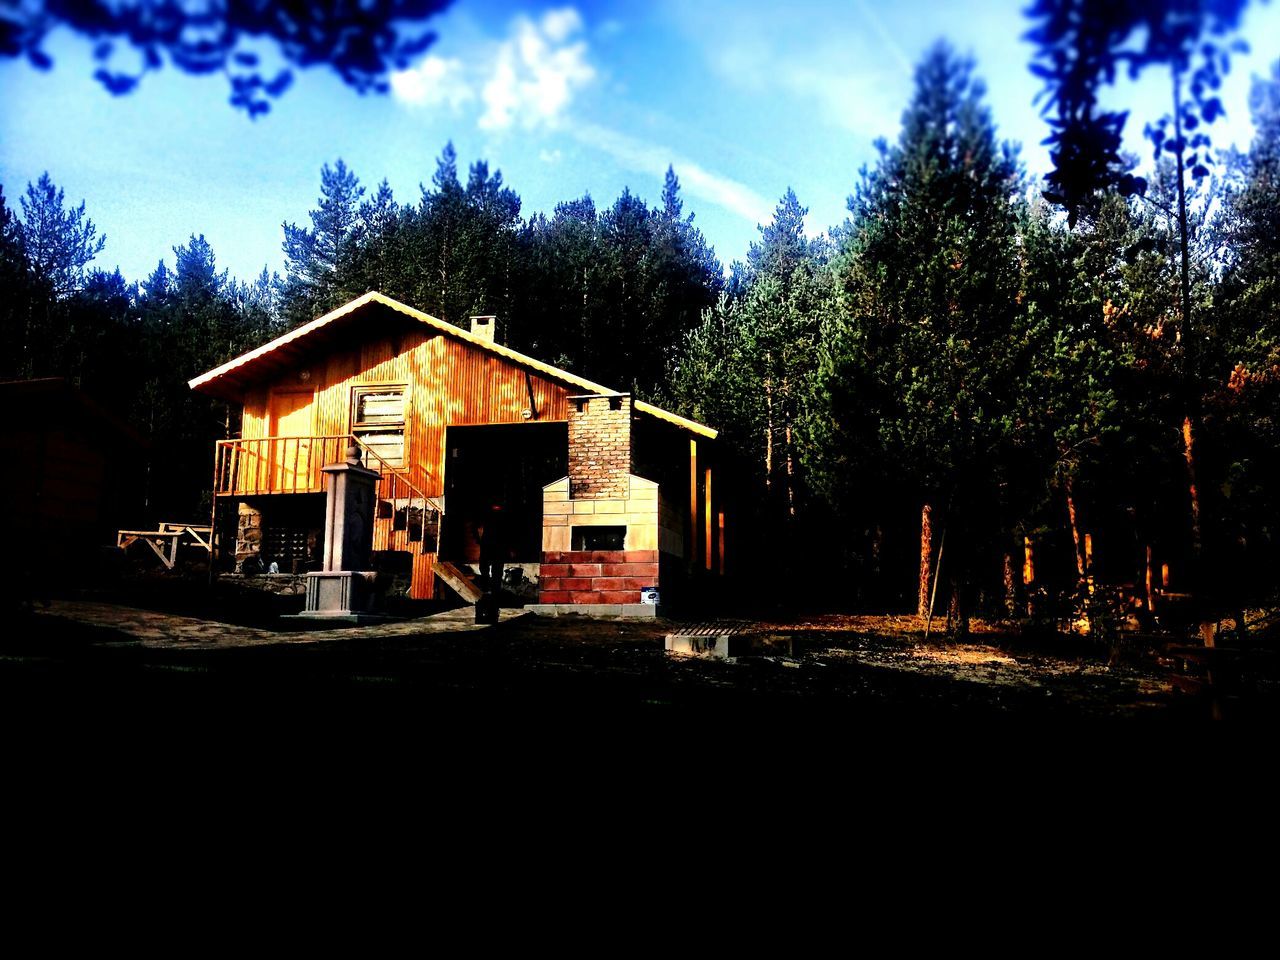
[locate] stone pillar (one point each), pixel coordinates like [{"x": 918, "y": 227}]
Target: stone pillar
[
  {"x": 599, "y": 447},
  {"x": 348, "y": 522},
  {"x": 248, "y": 535},
  {"x": 344, "y": 586}
]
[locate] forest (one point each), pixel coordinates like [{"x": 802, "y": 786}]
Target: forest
[{"x": 983, "y": 394}]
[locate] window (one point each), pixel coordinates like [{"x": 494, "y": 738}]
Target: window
[
  {"x": 598, "y": 538},
  {"x": 377, "y": 419}
]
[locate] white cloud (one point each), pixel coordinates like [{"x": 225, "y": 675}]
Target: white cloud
[
  {"x": 840, "y": 66},
  {"x": 537, "y": 72},
  {"x": 432, "y": 83},
  {"x": 528, "y": 79},
  {"x": 699, "y": 182},
  {"x": 560, "y": 25}
]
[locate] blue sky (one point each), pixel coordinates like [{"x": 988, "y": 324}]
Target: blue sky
[{"x": 743, "y": 99}]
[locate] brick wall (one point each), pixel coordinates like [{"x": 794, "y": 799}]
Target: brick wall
[
  {"x": 597, "y": 576},
  {"x": 599, "y": 448}
]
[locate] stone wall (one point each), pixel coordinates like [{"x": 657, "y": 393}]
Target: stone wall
[
  {"x": 248, "y": 535},
  {"x": 599, "y": 447}
]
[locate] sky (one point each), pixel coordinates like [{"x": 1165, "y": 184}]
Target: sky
[{"x": 744, "y": 99}]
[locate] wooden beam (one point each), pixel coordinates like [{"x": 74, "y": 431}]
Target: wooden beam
[
  {"x": 720, "y": 539},
  {"x": 709, "y": 538},
  {"x": 693, "y": 502}
]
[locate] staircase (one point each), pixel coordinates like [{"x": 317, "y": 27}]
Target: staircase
[
  {"x": 459, "y": 581},
  {"x": 405, "y": 518}
]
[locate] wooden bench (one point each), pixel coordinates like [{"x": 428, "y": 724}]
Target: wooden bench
[{"x": 165, "y": 541}]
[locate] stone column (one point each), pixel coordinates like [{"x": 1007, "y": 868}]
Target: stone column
[
  {"x": 344, "y": 586},
  {"x": 348, "y": 523},
  {"x": 248, "y": 535}
]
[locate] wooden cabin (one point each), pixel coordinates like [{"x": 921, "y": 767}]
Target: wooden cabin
[{"x": 603, "y": 495}]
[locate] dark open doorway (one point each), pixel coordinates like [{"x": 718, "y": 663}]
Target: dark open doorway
[{"x": 507, "y": 464}]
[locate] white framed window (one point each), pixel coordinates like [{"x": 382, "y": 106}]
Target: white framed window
[{"x": 378, "y": 419}]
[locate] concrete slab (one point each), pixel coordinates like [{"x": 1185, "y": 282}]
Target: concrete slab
[
  {"x": 162, "y": 630},
  {"x": 595, "y": 609},
  {"x": 726, "y": 640},
  {"x": 714, "y": 646},
  {"x": 320, "y": 618}
]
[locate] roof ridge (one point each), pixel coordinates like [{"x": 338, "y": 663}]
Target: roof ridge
[{"x": 374, "y": 296}]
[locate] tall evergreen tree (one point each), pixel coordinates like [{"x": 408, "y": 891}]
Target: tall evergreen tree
[
  {"x": 60, "y": 241},
  {"x": 748, "y": 368},
  {"x": 317, "y": 257},
  {"x": 929, "y": 291}
]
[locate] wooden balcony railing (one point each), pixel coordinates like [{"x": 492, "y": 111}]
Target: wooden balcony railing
[{"x": 275, "y": 465}]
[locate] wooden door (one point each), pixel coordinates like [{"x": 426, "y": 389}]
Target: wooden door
[{"x": 291, "y": 469}]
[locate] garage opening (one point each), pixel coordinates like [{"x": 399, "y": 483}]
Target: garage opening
[{"x": 504, "y": 464}]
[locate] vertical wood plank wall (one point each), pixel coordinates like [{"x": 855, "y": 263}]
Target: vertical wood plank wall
[{"x": 450, "y": 383}]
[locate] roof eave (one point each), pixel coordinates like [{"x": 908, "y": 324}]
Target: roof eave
[{"x": 213, "y": 381}]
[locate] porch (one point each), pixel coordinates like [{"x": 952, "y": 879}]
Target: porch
[{"x": 283, "y": 477}]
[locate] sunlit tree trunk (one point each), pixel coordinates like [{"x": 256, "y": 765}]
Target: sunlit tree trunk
[
  {"x": 768, "y": 435},
  {"x": 1075, "y": 528},
  {"x": 1010, "y": 585},
  {"x": 791, "y": 473},
  {"x": 1188, "y": 339},
  {"x": 1189, "y": 455},
  {"x": 926, "y": 558}
]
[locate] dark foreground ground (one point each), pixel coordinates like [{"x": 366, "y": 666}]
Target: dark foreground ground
[{"x": 854, "y": 667}]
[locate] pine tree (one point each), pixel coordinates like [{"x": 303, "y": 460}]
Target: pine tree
[
  {"x": 16, "y": 305},
  {"x": 60, "y": 241},
  {"x": 316, "y": 258},
  {"x": 748, "y": 367},
  {"x": 929, "y": 291}
]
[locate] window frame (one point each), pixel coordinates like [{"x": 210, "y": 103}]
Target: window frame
[{"x": 359, "y": 427}]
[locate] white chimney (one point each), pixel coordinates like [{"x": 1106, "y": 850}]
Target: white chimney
[{"x": 482, "y": 327}]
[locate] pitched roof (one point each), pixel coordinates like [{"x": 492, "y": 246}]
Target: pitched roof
[{"x": 228, "y": 380}]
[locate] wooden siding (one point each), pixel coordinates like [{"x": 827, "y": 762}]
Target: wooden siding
[
  {"x": 450, "y": 383},
  {"x": 253, "y": 423},
  {"x": 423, "y": 581}
]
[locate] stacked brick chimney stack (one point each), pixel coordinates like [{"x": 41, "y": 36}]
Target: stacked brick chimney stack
[{"x": 599, "y": 447}]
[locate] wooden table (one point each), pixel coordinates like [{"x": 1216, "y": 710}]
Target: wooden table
[{"x": 165, "y": 541}]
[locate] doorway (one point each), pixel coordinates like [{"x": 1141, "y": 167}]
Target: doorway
[
  {"x": 506, "y": 464},
  {"x": 291, "y": 422}
]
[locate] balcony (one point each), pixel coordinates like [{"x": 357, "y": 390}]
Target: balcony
[{"x": 405, "y": 517}]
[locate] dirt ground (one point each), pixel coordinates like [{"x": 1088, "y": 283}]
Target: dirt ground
[{"x": 836, "y": 665}]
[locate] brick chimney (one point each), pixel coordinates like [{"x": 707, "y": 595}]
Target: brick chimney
[
  {"x": 483, "y": 327},
  {"x": 599, "y": 446}
]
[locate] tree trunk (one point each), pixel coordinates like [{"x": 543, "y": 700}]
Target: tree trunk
[
  {"x": 1028, "y": 572},
  {"x": 1189, "y": 454},
  {"x": 1011, "y": 604},
  {"x": 1150, "y": 584},
  {"x": 791, "y": 473},
  {"x": 1075, "y": 528},
  {"x": 926, "y": 557},
  {"x": 957, "y": 610},
  {"x": 1188, "y": 340},
  {"x": 768, "y": 435}
]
